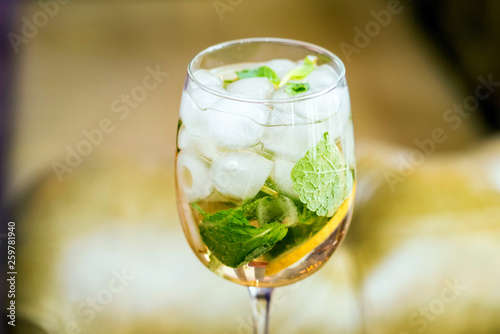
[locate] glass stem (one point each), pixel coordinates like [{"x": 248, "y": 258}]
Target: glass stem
[{"x": 260, "y": 299}]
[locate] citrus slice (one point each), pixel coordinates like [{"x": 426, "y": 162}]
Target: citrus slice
[{"x": 290, "y": 257}]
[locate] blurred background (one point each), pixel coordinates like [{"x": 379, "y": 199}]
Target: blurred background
[{"x": 99, "y": 245}]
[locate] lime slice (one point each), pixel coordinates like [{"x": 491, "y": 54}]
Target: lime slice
[{"x": 292, "y": 256}]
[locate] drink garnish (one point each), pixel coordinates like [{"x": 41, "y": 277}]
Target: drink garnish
[
  {"x": 301, "y": 72},
  {"x": 263, "y": 71},
  {"x": 298, "y": 73},
  {"x": 294, "y": 254},
  {"x": 233, "y": 241},
  {"x": 322, "y": 178},
  {"x": 295, "y": 88}
]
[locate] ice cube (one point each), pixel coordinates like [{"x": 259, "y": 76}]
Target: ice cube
[
  {"x": 337, "y": 123},
  {"x": 207, "y": 78},
  {"x": 280, "y": 94},
  {"x": 193, "y": 176},
  {"x": 299, "y": 108},
  {"x": 204, "y": 99},
  {"x": 322, "y": 77},
  {"x": 192, "y": 139},
  {"x": 216, "y": 197},
  {"x": 320, "y": 107},
  {"x": 316, "y": 108},
  {"x": 258, "y": 88},
  {"x": 281, "y": 66},
  {"x": 281, "y": 175},
  {"x": 193, "y": 103},
  {"x": 277, "y": 210},
  {"x": 236, "y": 124},
  {"x": 240, "y": 174},
  {"x": 289, "y": 137},
  {"x": 190, "y": 114}
]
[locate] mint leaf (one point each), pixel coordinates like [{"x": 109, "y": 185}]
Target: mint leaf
[
  {"x": 279, "y": 209},
  {"x": 297, "y": 235},
  {"x": 270, "y": 209},
  {"x": 233, "y": 241},
  {"x": 263, "y": 71},
  {"x": 199, "y": 209},
  {"x": 228, "y": 82},
  {"x": 322, "y": 178},
  {"x": 301, "y": 72},
  {"x": 234, "y": 216},
  {"x": 293, "y": 89},
  {"x": 306, "y": 216},
  {"x": 309, "y": 224},
  {"x": 249, "y": 208}
]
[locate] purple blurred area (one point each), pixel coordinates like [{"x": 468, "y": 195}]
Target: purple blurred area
[
  {"x": 6, "y": 84},
  {"x": 7, "y": 16}
]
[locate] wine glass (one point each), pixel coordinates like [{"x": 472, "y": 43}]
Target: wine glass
[{"x": 265, "y": 166}]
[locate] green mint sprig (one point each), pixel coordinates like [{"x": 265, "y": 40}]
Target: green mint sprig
[
  {"x": 228, "y": 82},
  {"x": 263, "y": 71},
  {"x": 322, "y": 178},
  {"x": 302, "y": 72},
  {"x": 299, "y": 73},
  {"x": 233, "y": 241},
  {"x": 293, "y": 89},
  {"x": 310, "y": 224}
]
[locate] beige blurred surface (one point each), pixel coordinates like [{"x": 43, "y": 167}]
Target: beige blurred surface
[{"x": 116, "y": 210}]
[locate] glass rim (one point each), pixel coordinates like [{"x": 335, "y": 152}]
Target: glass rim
[{"x": 284, "y": 41}]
